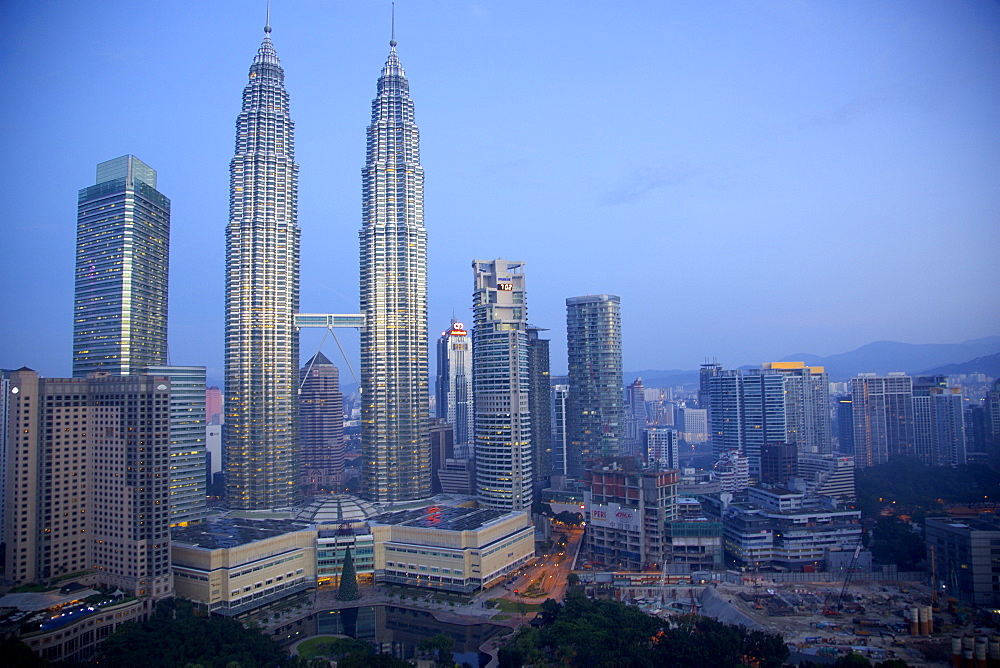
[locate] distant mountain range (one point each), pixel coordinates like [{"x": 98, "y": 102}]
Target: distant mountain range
[
  {"x": 978, "y": 355},
  {"x": 989, "y": 365}
]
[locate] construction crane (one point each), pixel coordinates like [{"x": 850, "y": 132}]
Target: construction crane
[{"x": 838, "y": 603}]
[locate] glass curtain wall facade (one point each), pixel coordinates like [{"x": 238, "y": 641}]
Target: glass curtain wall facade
[
  {"x": 188, "y": 453},
  {"x": 395, "y": 436},
  {"x": 596, "y": 407},
  {"x": 501, "y": 383},
  {"x": 262, "y": 296},
  {"x": 122, "y": 262},
  {"x": 540, "y": 407}
]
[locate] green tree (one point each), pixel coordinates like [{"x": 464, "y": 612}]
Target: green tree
[
  {"x": 893, "y": 542},
  {"x": 905, "y": 486},
  {"x": 567, "y": 517},
  {"x": 348, "y": 580},
  {"x": 550, "y": 610},
  {"x": 608, "y": 633},
  {"x": 18, "y": 655},
  {"x": 441, "y": 646},
  {"x": 215, "y": 641}
]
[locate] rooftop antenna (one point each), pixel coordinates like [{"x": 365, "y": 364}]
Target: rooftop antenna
[
  {"x": 392, "y": 41},
  {"x": 267, "y": 23}
]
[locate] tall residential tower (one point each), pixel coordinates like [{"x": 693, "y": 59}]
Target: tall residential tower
[
  {"x": 882, "y": 408},
  {"x": 262, "y": 295},
  {"x": 595, "y": 414},
  {"x": 122, "y": 258},
  {"x": 395, "y": 436}
]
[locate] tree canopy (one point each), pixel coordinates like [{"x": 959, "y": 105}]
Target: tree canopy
[
  {"x": 583, "y": 632},
  {"x": 905, "y": 486},
  {"x": 175, "y": 636}
]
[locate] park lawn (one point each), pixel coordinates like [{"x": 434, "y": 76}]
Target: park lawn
[
  {"x": 505, "y": 605},
  {"x": 311, "y": 648}
]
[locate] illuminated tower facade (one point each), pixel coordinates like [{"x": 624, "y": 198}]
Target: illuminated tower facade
[
  {"x": 262, "y": 295},
  {"x": 122, "y": 258},
  {"x": 595, "y": 411},
  {"x": 501, "y": 382},
  {"x": 454, "y": 385},
  {"x": 395, "y": 434}
]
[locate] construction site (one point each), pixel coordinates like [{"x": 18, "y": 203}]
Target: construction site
[{"x": 824, "y": 620}]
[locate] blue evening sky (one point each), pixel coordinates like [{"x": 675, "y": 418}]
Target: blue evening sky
[{"x": 754, "y": 179}]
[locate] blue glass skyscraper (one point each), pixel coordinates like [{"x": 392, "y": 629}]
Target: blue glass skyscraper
[{"x": 122, "y": 260}]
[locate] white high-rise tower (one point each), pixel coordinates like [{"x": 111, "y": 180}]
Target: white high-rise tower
[
  {"x": 262, "y": 295},
  {"x": 501, "y": 381},
  {"x": 395, "y": 435}
]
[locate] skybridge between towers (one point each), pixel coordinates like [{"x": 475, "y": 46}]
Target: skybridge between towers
[{"x": 330, "y": 322}]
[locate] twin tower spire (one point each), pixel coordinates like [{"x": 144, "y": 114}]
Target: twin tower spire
[{"x": 262, "y": 297}]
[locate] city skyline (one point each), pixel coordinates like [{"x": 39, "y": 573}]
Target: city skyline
[{"x": 860, "y": 162}]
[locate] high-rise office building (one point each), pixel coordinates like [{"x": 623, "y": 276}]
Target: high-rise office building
[
  {"x": 122, "y": 258},
  {"x": 635, "y": 418},
  {"x": 395, "y": 440},
  {"x": 707, "y": 371},
  {"x": 747, "y": 411},
  {"x": 882, "y": 410},
  {"x": 262, "y": 295},
  {"x": 88, "y": 480},
  {"x": 540, "y": 407},
  {"x": 454, "y": 386},
  {"x": 501, "y": 385},
  {"x": 321, "y": 424},
  {"x": 807, "y": 406},
  {"x": 120, "y": 311},
  {"x": 845, "y": 425},
  {"x": 188, "y": 447},
  {"x": 595, "y": 413}
]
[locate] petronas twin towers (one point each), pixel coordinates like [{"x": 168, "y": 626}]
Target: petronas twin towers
[{"x": 262, "y": 297}]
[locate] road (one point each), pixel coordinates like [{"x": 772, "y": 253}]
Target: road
[{"x": 551, "y": 571}]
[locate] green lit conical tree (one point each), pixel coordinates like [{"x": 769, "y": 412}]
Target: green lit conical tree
[{"x": 348, "y": 580}]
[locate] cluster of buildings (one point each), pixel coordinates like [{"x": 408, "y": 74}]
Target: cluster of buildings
[{"x": 105, "y": 473}]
